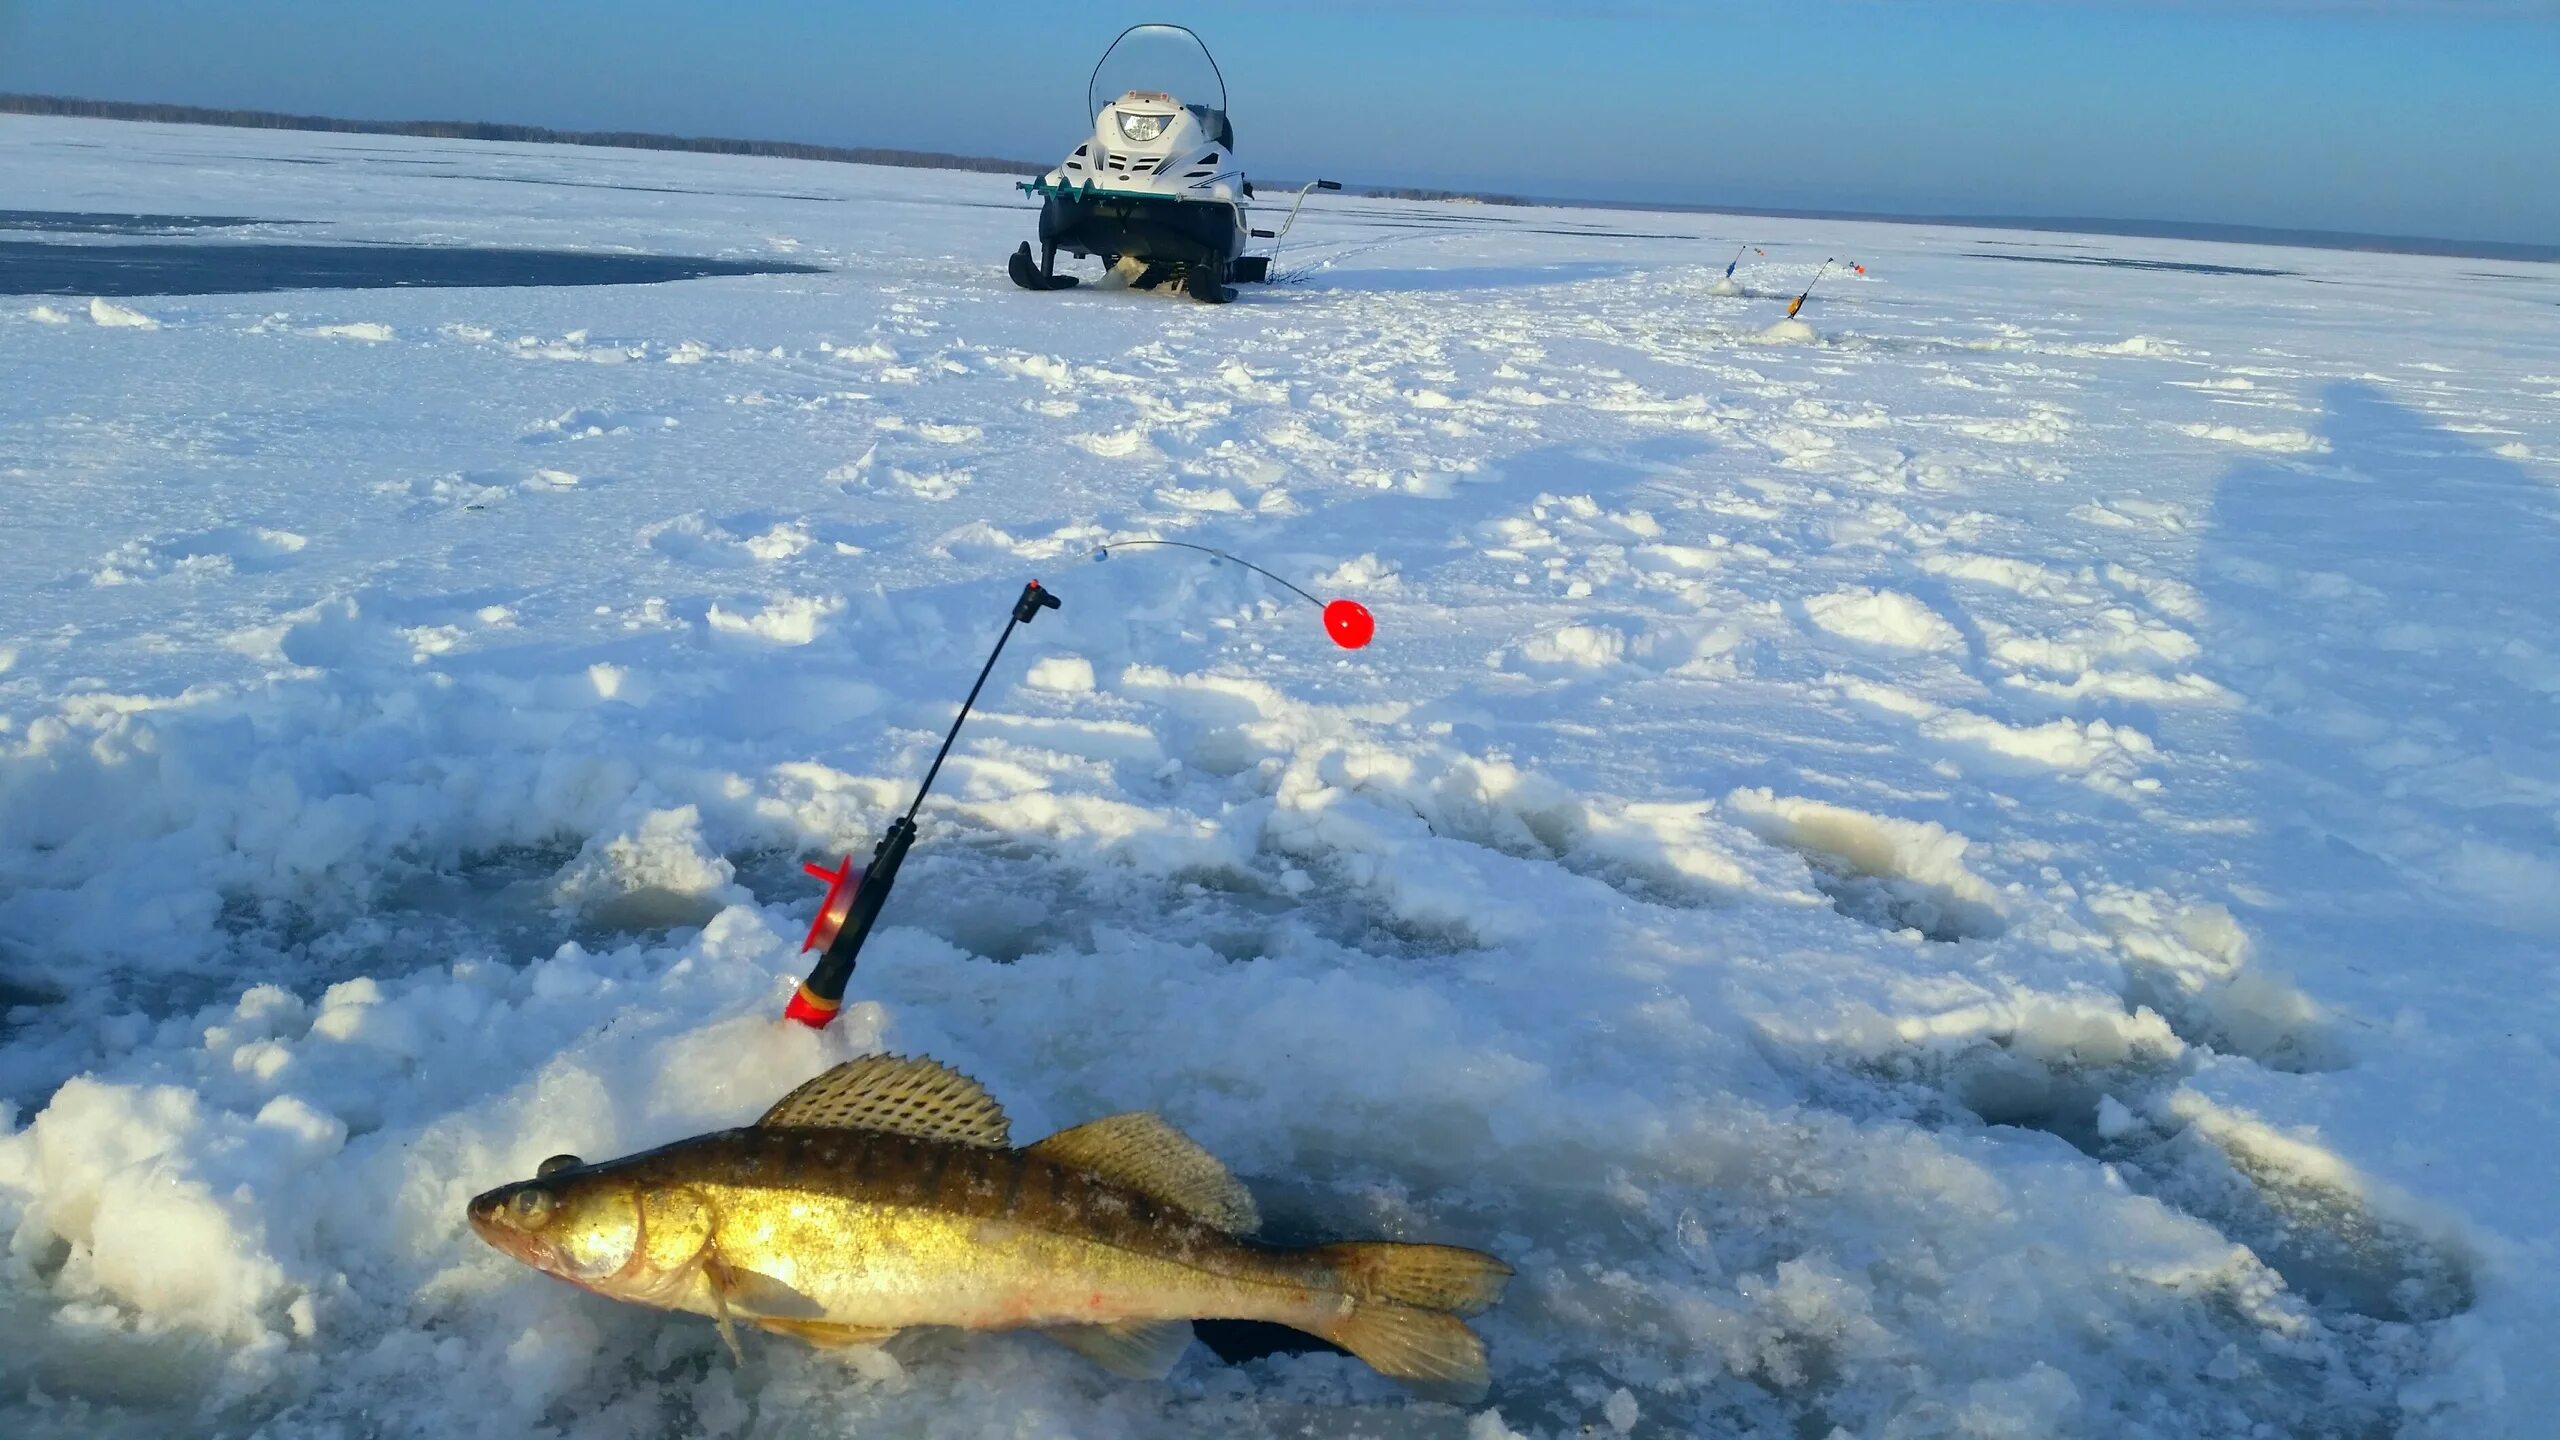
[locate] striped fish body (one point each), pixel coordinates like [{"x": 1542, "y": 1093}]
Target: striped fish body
[
  {"x": 855, "y": 1209},
  {"x": 880, "y": 1231}
]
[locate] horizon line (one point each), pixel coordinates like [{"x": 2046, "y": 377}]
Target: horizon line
[{"x": 2209, "y": 231}]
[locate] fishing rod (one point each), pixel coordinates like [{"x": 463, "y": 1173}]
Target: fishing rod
[
  {"x": 1347, "y": 621},
  {"x": 1798, "y": 303},
  {"x": 1737, "y": 258},
  {"x": 854, "y": 897}
]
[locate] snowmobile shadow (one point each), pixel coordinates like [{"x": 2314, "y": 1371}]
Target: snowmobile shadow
[
  {"x": 1655, "y": 467},
  {"x": 40, "y": 267},
  {"x": 2388, "y": 608},
  {"x": 1469, "y": 277}
]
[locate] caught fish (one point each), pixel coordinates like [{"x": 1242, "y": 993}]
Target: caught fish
[{"x": 886, "y": 1194}]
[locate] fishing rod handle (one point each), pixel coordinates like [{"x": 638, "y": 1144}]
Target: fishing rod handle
[
  {"x": 821, "y": 995},
  {"x": 1033, "y": 601}
]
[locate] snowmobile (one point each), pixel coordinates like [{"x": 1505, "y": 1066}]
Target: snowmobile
[{"x": 1157, "y": 192}]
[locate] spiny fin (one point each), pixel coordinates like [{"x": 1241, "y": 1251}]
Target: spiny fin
[
  {"x": 1139, "y": 1151},
  {"x": 1432, "y": 1277},
  {"x": 826, "y": 1335},
  {"x": 1436, "y": 1354},
  {"x": 720, "y": 1318},
  {"x": 1131, "y": 1349},
  {"x": 899, "y": 1095},
  {"x": 757, "y": 1296}
]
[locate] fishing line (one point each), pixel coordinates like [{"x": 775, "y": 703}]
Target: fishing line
[
  {"x": 1347, "y": 621},
  {"x": 854, "y": 897}
]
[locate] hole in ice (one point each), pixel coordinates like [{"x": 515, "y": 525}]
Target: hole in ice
[
  {"x": 1004, "y": 901},
  {"x": 2292, "y": 1205},
  {"x": 1897, "y": 902},
  {"x": 2250, "y": 1014},
  {"x": 649, "y": 908},
  {"x": 2028, "y": 1096},
  {"x": 2309, "y": 1222},
  {"x": 117, "y": 1383},
  {"x": 1893, "y": 874}
]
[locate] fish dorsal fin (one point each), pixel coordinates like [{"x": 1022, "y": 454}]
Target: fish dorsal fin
[
  {"x": 899, "y": 1095},
  {"x": 1139, "y": 1151}
]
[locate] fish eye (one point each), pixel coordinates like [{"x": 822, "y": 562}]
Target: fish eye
[
  {"x": 533, "y": 1207},
  {"x": 556, "y": 1164}
]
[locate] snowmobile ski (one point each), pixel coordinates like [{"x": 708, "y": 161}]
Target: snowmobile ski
[{"x": 1038, "y": 274}]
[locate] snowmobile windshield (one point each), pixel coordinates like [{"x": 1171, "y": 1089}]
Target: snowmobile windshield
[{"x": 1157, "y": 60}]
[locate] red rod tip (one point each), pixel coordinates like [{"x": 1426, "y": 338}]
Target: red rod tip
[
  {"x": 1349, "y": 623},
  {"x": 809, "y": 1010}
]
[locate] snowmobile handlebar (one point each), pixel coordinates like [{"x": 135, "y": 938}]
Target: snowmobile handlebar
[{"x": 1283, "y": 232}]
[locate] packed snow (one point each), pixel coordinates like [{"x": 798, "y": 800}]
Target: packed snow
[{"x": 1982, "y": 863}]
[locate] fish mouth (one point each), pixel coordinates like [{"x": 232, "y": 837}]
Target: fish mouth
[
  {"x": 485, "y": 1212},
  {"x": 484, "y": 1217}
]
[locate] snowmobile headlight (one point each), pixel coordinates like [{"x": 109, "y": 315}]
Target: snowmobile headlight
[{"x": 1139, "y": 129}]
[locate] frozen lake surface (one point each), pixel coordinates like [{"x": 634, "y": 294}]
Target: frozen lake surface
[{"x": 1989, "y": 868}]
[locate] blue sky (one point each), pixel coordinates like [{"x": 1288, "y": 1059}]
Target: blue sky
[{"x": 2427, "y": 117}]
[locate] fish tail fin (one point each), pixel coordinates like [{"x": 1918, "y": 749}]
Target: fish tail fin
[
  {"x": 1404, "y": 1322},
  {"x": 1427, "y": 1277},
  {"x": 1429, "y": 1350}
]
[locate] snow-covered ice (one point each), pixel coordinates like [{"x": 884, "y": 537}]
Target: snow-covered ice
[{"x": 1989, "y": 870}]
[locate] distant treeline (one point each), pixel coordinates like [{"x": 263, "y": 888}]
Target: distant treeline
[
  {"x": 1408, "y": 192},
  {"x": 618, "y": 139},
  {"x": 484, "y": 130}
]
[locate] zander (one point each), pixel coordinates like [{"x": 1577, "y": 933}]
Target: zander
[{"x": 885, "y": 1193}]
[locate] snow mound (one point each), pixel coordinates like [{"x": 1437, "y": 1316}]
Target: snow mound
[
  {"x": 2287, "y": 442},
  {"x": 1887, "y": 618},
  {"x": 114, "y": 316},
  {"x": 784, "y": 620},
  {"x": 1060, "y": 674},
  {"x": 1787, "y": 332},
  {"x": 1581, "y": 646}
]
